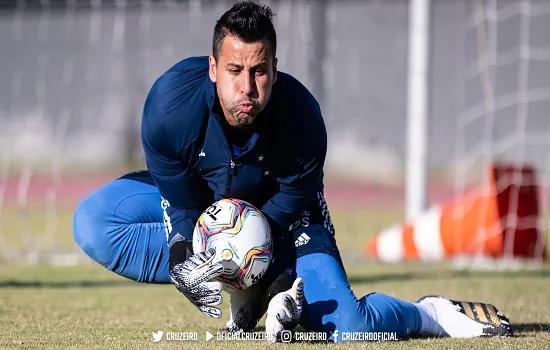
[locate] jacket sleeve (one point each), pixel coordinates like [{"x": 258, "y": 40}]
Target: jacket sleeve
[
  {"x": 302, "y": 177},
  {"x": 182, "y": 198}
]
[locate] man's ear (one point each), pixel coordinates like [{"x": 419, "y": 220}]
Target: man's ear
[
  {"x": 274, "y": 70},
  {"x": 212, "y": 68}
]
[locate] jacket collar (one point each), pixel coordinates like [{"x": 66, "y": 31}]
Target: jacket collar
[{"x": 210, "y": 92}]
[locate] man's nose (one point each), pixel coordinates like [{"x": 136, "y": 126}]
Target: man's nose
[{"x": 247, "y": 84}]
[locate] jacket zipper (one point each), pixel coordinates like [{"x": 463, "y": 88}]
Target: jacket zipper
[{"x": 231, "y": 171}]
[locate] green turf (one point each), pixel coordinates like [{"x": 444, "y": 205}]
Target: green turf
[{"x": 86, "y": 306}]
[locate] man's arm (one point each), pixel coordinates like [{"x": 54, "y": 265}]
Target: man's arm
[
  {"x": 183, "y": 199},
  {"x": 296, "y": 191},
  {"x": 178, "y": 186},
  {"x": 185, "y": 194},
  {"x": 303, "y": 174},
  {"x": 299, "y": 182}
]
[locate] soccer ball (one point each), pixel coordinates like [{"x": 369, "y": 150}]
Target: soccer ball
[{"x": 242, "y": 238}]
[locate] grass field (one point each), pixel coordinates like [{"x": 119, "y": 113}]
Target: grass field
[{"x": 86, "y": 306}]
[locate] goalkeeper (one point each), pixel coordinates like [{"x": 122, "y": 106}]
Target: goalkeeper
[{"x": 231, "y": 125}]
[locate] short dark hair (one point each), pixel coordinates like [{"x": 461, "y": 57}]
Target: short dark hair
[{"x": 247, "y": 20}]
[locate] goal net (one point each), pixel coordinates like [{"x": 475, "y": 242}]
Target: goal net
[{"x": 503, "y": 135}]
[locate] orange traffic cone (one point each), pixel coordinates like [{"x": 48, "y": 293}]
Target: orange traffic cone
[{"x": 500, "y": 221}]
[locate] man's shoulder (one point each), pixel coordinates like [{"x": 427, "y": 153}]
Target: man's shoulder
[
  {"x": 182, "y": 83},
  {"x": 191, "y": 66},
  {"x": 293, "y": 88},
  {"x": 176, "y": 103},
  {"x": 299, "y": 108}
]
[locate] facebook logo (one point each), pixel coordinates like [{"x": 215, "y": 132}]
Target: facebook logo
[{"x": 335, "y": 335}]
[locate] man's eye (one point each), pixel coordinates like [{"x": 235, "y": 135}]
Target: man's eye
[
  {"x": 234, "y": 71},
  {"x": 261, "y": 72}
]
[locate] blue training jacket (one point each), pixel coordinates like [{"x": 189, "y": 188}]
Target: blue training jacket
[{"x": 192, "y": 163}]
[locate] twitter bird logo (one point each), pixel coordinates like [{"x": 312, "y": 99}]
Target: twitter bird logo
[{"x": 157, "y": 336}]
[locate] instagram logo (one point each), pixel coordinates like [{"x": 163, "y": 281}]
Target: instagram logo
[{"x": 286, "y": 336}]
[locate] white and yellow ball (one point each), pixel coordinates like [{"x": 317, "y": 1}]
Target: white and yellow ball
[{"x": 242, "y": 238}]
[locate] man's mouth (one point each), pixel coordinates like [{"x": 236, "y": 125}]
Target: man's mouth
[{"x": 246, "y": 107}]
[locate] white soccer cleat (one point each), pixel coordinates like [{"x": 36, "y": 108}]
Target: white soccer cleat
[
  {"x": 463, "y": 319},
  {"x": 246, "y": 308}
]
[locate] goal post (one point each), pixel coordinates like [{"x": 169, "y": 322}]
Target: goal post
[{"x": 416, "y": 180}]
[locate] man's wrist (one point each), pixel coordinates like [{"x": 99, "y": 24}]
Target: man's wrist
[{"x": 179, "y": 252}]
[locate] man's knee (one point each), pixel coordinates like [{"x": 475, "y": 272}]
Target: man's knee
[
  {"x": 90, "y": 225},
  {"x": 120, "y": 226}
]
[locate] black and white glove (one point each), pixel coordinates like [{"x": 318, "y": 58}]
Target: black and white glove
[
  {"x": 284, "y": 310},
  {"x": 192, "y": 278},
  {"x": 248, "y": 306}
]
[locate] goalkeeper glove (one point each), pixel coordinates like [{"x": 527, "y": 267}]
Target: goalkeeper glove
[
  {"x": 284, "y": 310},
  {"x": 192, "y": 277}
]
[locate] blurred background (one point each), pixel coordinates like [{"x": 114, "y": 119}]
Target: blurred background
[{"x": 74, "y": 76}]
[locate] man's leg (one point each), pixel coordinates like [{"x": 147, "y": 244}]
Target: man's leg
[
  {"x": 330, "y": 303},
  {"x": 120, "y": 226}
]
